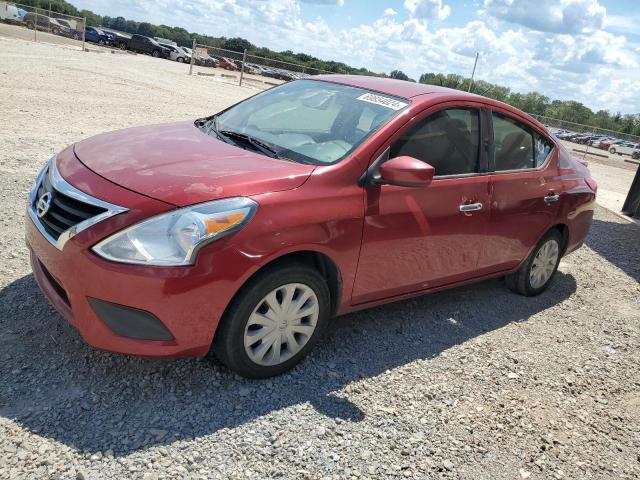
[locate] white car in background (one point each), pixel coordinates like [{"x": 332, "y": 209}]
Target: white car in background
[
  {"x": 624, "y": 148},
  {"x": 177, "y": 54}
]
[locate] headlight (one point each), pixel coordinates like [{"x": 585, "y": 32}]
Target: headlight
[{"x": 174, "y": 238}]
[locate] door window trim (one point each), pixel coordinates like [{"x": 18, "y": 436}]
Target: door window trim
[
  {"x": 484, "y": 141},
  {"x": 491, "y": 157}
]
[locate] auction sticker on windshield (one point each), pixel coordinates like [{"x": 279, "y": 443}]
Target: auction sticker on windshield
[{"x": 384, "y": 101}]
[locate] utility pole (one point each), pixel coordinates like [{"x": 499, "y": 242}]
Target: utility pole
[
  {"x": 193, "y": 54},
  {"x": 244, "y": 59},
  {"x": 473, "y": 72}
]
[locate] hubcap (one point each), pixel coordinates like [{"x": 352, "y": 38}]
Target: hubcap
[
  {"x": 544, "y": 264},
  {"x": 281, "y": 324}
]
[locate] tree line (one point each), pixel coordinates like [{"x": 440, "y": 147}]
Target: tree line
[{"x": 531, "y": 102}]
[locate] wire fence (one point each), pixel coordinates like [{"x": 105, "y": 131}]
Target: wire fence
[
  {"x": 44, "y": 22},
  {"x": 591, "y": 140},
  {"x": 585, "y": 129},
  {"x": 244, "y": 67}
]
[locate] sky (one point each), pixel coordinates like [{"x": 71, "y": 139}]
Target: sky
[{"x": 584, "y": 50}]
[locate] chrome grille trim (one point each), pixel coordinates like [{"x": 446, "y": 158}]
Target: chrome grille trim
[{"x": 61, "y": 185}]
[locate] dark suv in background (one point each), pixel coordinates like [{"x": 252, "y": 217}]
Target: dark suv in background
[{"x": 142, "y": 44}]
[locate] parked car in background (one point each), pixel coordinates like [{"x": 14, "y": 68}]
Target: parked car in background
[
  {"x": 202, "y": 59},
  {"x": 120, "y": 40},
  {"x": 70, "y": 31},
  {"x": 227, "y": 64},
  {"x": 10, "y": 13},
  {"x": 142, "y": 44},
  {"x": 177, "y": 54},
  {"x": 45, "y": 23},
  {"x": 241, "y": 234},
  {"x": 96, "y": 35},
  {"x": 607, "y": 144},
  {"x": 624, "y": 148}
]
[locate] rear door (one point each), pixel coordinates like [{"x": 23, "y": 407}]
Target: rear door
[{"x": 526, "y": 191}]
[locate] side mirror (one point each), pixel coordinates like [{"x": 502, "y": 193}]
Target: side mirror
[{"x": 406, "y": 172}]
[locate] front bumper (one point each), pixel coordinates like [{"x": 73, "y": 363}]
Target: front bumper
[{"x": 188, "y": 301}]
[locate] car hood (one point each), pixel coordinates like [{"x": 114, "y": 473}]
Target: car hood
[{"x": 179, "y": 164}]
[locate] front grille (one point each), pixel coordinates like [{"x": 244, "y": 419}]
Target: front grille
[{"x": 64, "y": 212}]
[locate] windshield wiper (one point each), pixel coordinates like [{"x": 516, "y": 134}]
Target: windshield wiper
[{"x": 263, "y": 147}]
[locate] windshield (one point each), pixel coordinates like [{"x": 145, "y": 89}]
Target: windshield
[{"x": 310, "y": 121}]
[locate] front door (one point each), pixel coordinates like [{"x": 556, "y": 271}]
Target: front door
[{"x": 420, "y": 238}]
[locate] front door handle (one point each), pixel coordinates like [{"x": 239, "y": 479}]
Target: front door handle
[
  {"x": 552, "y": 197},
  {"x": 470, "y": 207}
]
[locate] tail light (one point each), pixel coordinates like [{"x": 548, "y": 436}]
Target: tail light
[{"x": 591, "y": 184}]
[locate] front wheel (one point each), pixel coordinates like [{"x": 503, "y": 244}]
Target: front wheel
[
  {"x": 123, "y": 46},
  {"x": 612, "y": 151},
  {"x": 155, "y": 53},
  {"x": 180, "y": 60},
  {"x": 536, "y": 273},
  {"x": 274, "y": 321}
]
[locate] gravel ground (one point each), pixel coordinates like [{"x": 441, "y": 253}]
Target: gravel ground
[{"x": 474, "y": 383}]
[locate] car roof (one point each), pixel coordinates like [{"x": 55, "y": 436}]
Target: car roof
[{"x": 391, "y": 86}]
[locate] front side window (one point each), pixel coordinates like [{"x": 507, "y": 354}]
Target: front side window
[
  {"x": 447, "y": 140},
  {"x": 516, "y": 146},
  {"x": 309, "y": 121}
]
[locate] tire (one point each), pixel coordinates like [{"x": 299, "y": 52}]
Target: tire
[
  {"x": 522, "y": 281},
  {"x": 76, "y": 36},
  {"x": 237, "y": 323},
  {"x": 635, "y": 155},
  {"x": 30, "y": 25},
  {"x": 55, "y": 31},
  {"x": 122, "y": 45},
  {"x": 100, "y": 42},
  {"x": 155, "y": 54},
  {"x": 180, "y": 60},
  {"x": 612, "y": 151}
]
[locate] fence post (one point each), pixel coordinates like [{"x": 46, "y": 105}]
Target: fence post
[
  {"x": 84, "y": 29},
  {"x": 193, "y": 56},
  {"x": 35, "y": 27},
  {"x": 244, "y": 59},
  {"x": 49, "y": 21}
]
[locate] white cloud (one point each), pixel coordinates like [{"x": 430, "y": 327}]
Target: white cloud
[
  {"x": 428, "y": 9},
  {"x": 390, "y": 12},
  {"x": 325, "y": 2},
  {"x": 558, "y": 16}
]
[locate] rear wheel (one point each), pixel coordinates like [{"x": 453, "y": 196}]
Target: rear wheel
[
  {"x": 122, "y": 45},
  {"x": 30, "y": 25},
  {"x": 274, "y": 321},
  {"x": 612, "y": 150},
  {"x": 55, "y": 31},
  {"x": 536, "y": 273},
  {"x": 155, "y": 53}
]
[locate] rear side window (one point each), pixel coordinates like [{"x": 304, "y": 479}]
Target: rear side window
[
  {"x": 447, "y": 140},
  {"x": 517, "y": 147},
  {"x": 542, "y": 148}
]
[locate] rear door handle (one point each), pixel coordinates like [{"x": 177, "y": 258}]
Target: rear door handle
[
  {"x": 552, "y": 197},
  {"x": 470, "y": 207}
]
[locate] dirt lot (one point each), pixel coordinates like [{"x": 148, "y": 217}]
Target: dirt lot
[{"x": 475, "y": 383}]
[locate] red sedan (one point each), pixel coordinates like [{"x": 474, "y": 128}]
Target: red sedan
[{"x": 243, "y": 233}]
